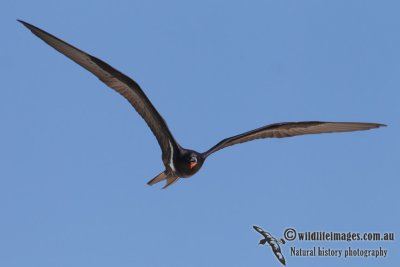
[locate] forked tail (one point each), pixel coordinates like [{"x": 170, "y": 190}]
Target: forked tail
[{"x": 171, "y": 178}]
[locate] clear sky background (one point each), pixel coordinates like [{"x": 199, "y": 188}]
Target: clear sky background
[{"x": 75, "y": 156}]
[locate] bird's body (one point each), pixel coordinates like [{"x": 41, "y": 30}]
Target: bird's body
[{"x": 180, "y": 162}]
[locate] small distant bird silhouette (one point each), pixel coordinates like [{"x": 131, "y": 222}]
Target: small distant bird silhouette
[
  {"x": 178, "y": 161},
  {"x": 273, "y": 242}
]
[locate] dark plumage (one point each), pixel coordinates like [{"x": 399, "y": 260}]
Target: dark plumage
[
  {"x": 273, "y": 242},
  {"x": 180, "y": 162}
]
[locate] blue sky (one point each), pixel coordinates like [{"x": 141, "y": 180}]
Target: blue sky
[{"x": 75, "y": 157}]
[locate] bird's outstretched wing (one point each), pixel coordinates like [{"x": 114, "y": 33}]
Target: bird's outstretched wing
[
  {"x": 262, "y": 232},
  {"x": 288, "y": 129},
  {"x": 121, "y": 83},
  {"x": 276, "y": 249}
]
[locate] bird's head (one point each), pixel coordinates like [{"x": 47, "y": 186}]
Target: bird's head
[{"x": 192, "y": 162}]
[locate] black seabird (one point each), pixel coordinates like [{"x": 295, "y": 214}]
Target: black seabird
[
  {"x": 180, "y": 162},
  {"x": 273, "y": 242}
]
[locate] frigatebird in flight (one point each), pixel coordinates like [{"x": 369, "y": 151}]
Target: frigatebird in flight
[
  {"x": 180, "y": 162},
  {"x": 273, "y": 242}
]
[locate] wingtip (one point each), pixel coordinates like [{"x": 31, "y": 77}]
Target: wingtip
[
  {"x": 26, "y": 24},
  {"x": 373, "y": 125},
  {"x": 21, "y": 21},
  {"x": 31, "y": 27}
]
